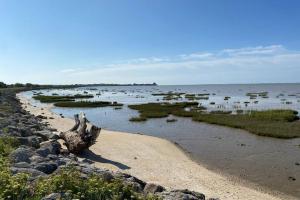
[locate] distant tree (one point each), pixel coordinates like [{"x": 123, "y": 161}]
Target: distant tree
[
  {"x": 18, "y": 85},
  {"x": 29, "y": 85},
  {"x": 3, "y": 85}
]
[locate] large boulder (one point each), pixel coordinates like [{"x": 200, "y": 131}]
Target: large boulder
[
  {"x": 47, "y": 167},
  {"x": 30, "y": 171},
  {"x": 153, "y": 188},
  {"x": 21, "y": 154}
]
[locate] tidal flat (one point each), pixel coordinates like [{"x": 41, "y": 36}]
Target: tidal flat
[{"x": 266, "y": 161}]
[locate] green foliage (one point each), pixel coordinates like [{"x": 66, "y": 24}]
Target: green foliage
[
  {"x": 7, "y": 145},
  {"x": 94, "y": 187},
  {"x": 86, "y": 104},
  {"x": 275, "y": 115},
  {"x": 3, "y": 85},
  {"x": 18, "y": 85}
]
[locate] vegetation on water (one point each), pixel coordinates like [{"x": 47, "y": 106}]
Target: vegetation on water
[
  {"x": 57, "y": 98},
  {"x": 169, "y": 96},
  {"x": 86, "y": 104},
  {"x": 159, "y": 110},
  {"x": 271, "y": 123}
]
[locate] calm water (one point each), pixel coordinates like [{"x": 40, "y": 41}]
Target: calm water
[{"x": 266, "y": 161}]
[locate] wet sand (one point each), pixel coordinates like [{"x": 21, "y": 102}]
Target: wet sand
[{"x": 157, "y": 160}]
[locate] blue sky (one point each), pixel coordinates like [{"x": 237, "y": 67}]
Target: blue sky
[{"x": 164, "y": 41}]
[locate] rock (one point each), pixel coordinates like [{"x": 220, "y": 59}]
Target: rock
[
  {"x": 152, "y": 188},
  {"x": 181, "y": 195},
  {"x": 32, "y": 141},
  {"x": 32, "y": 172},
  {"x": 41, "y": 117},
  {"x": 53, "y": 196},
  {"x": 21, "y": 154},
  {"x": 47, "y": 168},
  {"x": 37, "y": 159},
  {"x": 46, "y": 135},
  {"x": 49, "y": 147},
  {"x": 22, "y": 165}
]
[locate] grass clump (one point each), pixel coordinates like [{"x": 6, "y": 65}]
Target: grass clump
[
  {"x": 7, "y": 145},
  {"x": 160, "y": 110},
  {"x": 275, "y": 115},
  {"x": 57, "y": 98},
  {"x": 86, "y": 104}
]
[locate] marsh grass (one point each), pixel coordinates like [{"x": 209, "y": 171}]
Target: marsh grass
[
  {"x": 271, "y": 123},
  {"x": 57, "y": 98},
  {"x": 87, "y": 104},
  {"x": 160, "y": 110}
]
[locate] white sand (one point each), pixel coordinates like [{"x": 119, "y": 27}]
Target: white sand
[{"x": 155, "y": 160}]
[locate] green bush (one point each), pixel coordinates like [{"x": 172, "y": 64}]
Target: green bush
[{"x": 7, "y": 145}]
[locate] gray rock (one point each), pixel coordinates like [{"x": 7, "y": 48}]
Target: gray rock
[
  {"x": 46, "y": 135},
  {"x": 32, "y": 141},
  {"x": 37, "y": 159},
  {"x": 47, "y": 168},
  {"x": 152, "y": 188},
  {"x": 22, "y": 165},
  {"x": 21, "y": 154},
  {"x": 181, "y": 195},
  {"x": 32, "y": 172},
  {"x": 53, "y": 196},
  {"x": 49, "y": 147}
]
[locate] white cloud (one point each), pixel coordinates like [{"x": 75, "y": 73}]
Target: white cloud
[
  {"x": 225, "y": 66},
  {"x": 70, "y": 70},
  {"x": 259, "y": 50}
]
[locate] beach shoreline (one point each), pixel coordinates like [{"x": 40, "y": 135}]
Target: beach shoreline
[{"x": 154, "y": 160}]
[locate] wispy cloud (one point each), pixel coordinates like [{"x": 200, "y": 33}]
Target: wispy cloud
[
  {"x": 70, "y": 70},
  {"x": 224, "y": 66}
]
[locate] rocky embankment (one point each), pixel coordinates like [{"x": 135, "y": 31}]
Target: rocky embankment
[{"x": 40, "y": 154}]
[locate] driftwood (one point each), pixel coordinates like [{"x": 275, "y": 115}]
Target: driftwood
[{"x": 78, "y": 137}]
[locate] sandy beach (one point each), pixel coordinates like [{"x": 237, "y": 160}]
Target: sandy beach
[{"x": 154, "y": 160}]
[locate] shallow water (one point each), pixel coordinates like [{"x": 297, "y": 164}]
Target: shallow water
[{"x": 266, "y": 161}]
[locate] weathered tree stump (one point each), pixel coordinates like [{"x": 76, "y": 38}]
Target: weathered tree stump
[{"x": 78, "y": 137}]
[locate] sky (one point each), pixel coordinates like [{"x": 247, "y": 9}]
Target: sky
[{"x": 145, "y": 41}]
